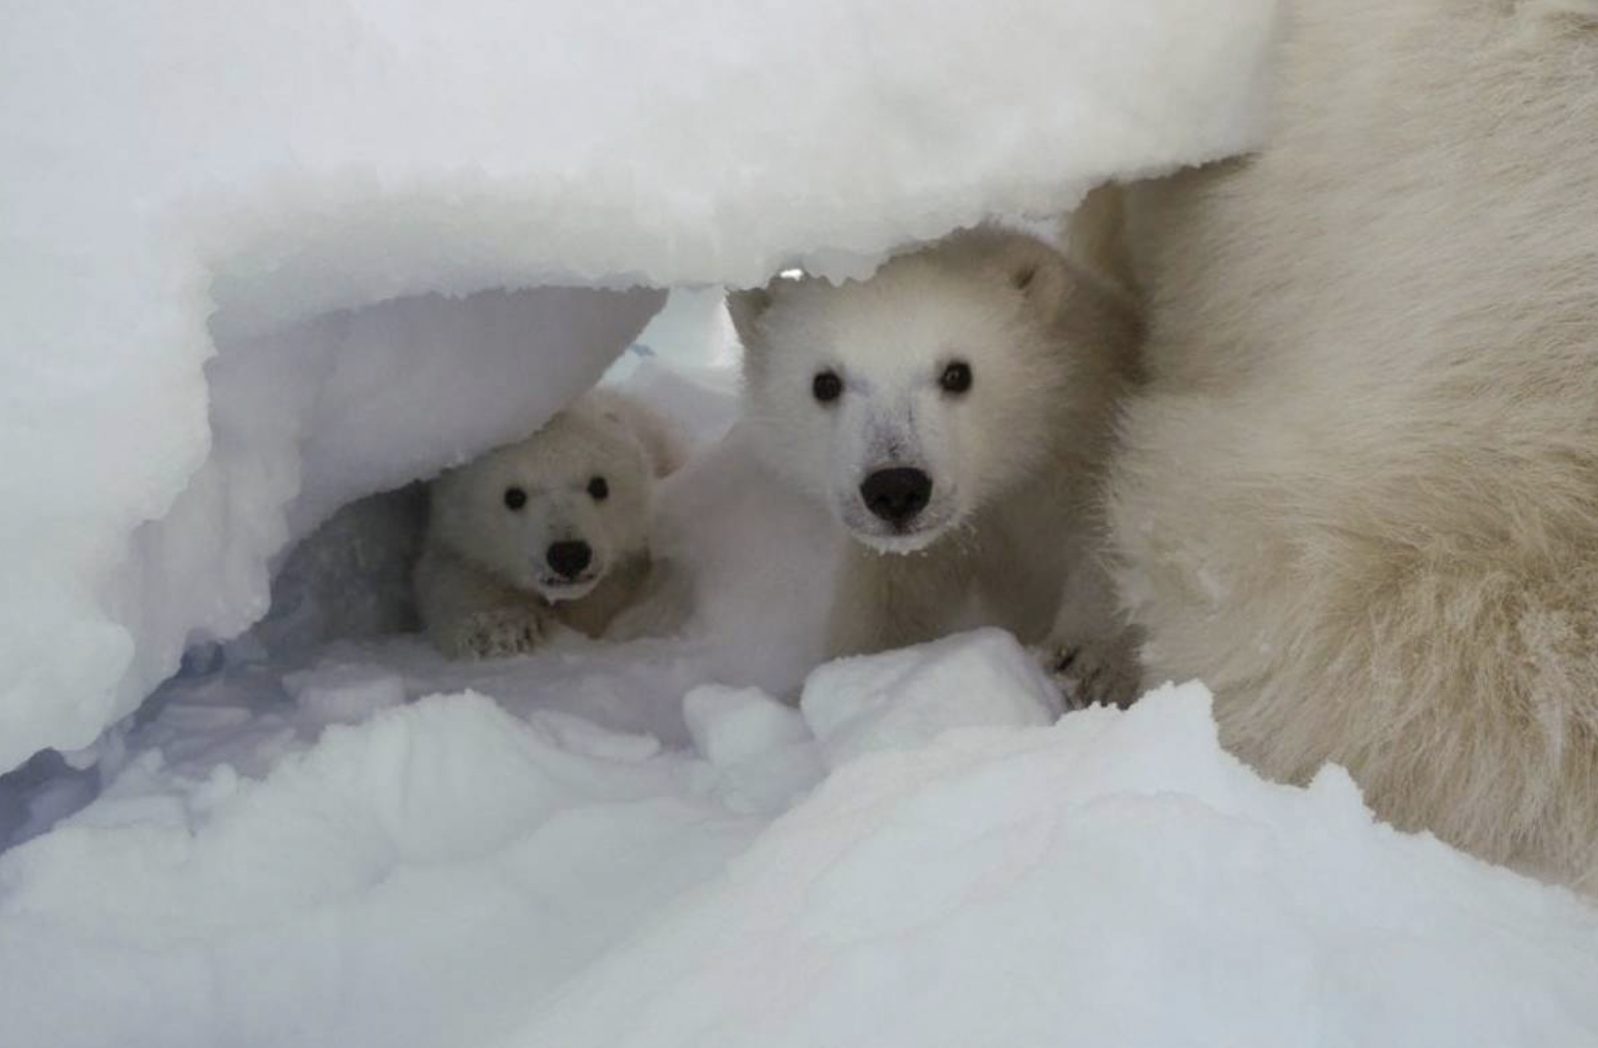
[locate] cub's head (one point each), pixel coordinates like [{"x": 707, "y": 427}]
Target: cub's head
[
  {"x": 910, "y": 400},
  {"x": 557, "y": 511}
]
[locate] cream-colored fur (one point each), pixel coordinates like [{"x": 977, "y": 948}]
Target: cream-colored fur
[
  {"x": 1015, "y": 461},
  {"x": 1359, "y": 496},
  {"x": 483, "y": 584}
]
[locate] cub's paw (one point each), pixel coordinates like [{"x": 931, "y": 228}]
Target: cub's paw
[
  {"x": 502, "y": 631},
  {"x": 1093, "y": 673}
]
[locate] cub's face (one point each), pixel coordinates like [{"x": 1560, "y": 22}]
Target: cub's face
[
  {"x": 908, "y": 401},
  {"x": 554, "y": 513}
]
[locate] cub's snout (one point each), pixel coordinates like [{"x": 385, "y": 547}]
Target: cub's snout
[
  {"x": 897, "y": 494},
  {"x": 568, "y": 559}
]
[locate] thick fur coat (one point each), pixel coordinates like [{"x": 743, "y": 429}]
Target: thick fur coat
[{"x": 1359, "y": 496}]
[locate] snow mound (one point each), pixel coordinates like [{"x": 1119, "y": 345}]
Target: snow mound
[
  {"x": 182, "y": 183},
  {"x": 1114, "y": 880},
  {"x": 763, "y": 753},
  {"x": 345, "y": 694},
  {"x": 731, "y": 726},
  {"x": 449, "y": 872},
  {"x": 858, "y": 705},
  {"x": 410, "y": 881}
]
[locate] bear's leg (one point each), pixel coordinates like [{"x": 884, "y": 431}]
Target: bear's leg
[
  {"x": 468, "y": 614},
  {"x": 1091, "y": 652}
]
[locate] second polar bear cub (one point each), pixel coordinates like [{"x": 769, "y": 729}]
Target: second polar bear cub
[
  {"x": 955, "y": 412},
  {"x": 553, "y": 529}
]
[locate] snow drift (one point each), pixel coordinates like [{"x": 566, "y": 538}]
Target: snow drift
[
  {"x": 199, "y": 203},
  {"x": 462, "y": 872}
]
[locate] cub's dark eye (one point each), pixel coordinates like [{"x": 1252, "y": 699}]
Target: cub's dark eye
[
  {"x": 515, "y": 498},
  {"x": 598, "y": 489},
  {"x": 826, "y": 386},
  {"x": 956, "y": 378}
]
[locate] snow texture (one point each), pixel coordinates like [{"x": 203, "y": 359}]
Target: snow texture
[
  {"x": 450, "y": 872},
  {"x": 261, "y": 260},
  {"x": 1113, "y": 880},
  {"x": 858, "y": 705}
]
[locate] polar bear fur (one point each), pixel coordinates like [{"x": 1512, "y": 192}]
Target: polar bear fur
[
  {"x": 1014, "y": 462},
  {"x": 486, "y": 584},
  {"x": 1359, "y": 496}
]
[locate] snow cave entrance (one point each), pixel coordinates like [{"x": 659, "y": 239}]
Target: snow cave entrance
[{"x": 277, "y": 586}]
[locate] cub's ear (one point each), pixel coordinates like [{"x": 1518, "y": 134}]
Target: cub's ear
[
  {"x": 1097, "y": 242},
  {"x": 1036, "y": 270},
  {"x": 746, "y": 309},
  {"x": 656, "y": 437},
  {"x": 662, "y": 444}
]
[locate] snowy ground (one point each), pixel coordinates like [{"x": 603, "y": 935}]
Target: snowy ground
[{"x": 353, "y": 842}]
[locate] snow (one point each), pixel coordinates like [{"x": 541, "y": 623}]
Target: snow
[
  {"x": 406, "y": 882},
  {"x": 642, "y": 845},
  {"x": 262, "y": 260},
  {"x": 448, "y": 872},
  {"x": 731, "y": 726},
  {"x": 858, "y": 705},
  {"x": 1113, "y": 880},
  {"x": 345, "y": 694}
]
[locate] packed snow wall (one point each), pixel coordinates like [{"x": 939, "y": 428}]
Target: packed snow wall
[{"x": 260, "y": 260}]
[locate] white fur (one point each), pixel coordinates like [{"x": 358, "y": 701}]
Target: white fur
[
  {"x": 483, "y": 586},
  {"x": 1015, "y": 461},
  {"x": 1359, "y": 497}
]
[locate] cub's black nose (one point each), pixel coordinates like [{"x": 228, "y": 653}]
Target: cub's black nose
[
  {"x": 568, "y": 559},
  {"x": 896, "y": 495}
]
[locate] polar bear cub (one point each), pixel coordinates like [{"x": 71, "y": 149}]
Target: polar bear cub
[
  {"x": 550, "y": 530},
  {"x": 955, "y": 412}
]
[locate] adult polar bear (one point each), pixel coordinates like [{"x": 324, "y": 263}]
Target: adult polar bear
[{"x": 1359, "y": 496}]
